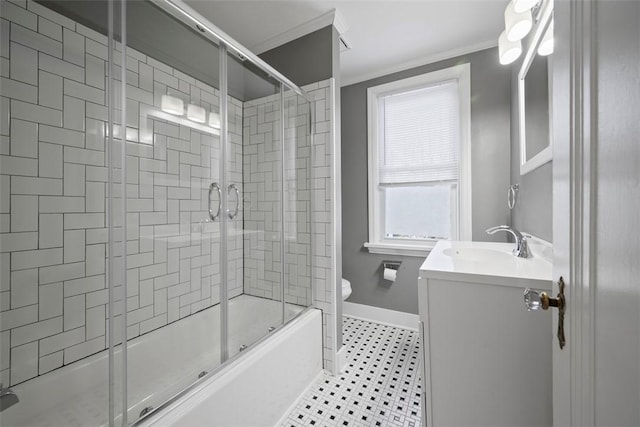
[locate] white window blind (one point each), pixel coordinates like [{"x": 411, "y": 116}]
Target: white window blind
[{"x": 421, "y": 135}]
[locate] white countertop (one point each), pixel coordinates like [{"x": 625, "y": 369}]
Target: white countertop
[{"x": 486, "y": 262}]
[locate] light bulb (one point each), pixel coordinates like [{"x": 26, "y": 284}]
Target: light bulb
[
  {"x": 522, "y": 5},
  {"x": 214, "y": 120},
  {"x": 546, "y": 44},
  {"x": 507, "y": 50},
  {"x": 517, "y": 24},
  {"x": 196, "y": 114},
  {"x": 172, "y": 105}
]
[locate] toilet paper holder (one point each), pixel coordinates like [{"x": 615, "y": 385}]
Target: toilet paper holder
[{"x": 393, "y": 265}]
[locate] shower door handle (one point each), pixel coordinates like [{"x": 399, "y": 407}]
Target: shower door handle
[
  {"x": 214, "y": 186},
  {"x": 235, "y": 211}
]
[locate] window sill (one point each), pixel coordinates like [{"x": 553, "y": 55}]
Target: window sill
[{"x": 400, "y": 249}]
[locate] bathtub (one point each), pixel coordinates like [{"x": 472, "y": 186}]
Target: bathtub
[{"x": 170, "y": 359}]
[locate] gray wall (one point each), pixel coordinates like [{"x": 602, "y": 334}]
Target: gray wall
[
  {"x": 490, "y": 151},
  {"x": 307, "y": 59},
  {"x": 533, "y": 210}
]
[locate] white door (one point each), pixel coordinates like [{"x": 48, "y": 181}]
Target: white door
[{"x": 596, "y": 203}]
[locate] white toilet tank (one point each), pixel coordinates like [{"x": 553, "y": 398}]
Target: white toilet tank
[{"x": 346, "y": 289}]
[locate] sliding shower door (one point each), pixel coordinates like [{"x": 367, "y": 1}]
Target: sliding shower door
[
  {"x": 253, "y": 181},
  {"x": 174, "y": 196}
]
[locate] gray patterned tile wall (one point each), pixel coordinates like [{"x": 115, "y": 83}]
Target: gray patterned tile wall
[{"x": 53, "y": 241}]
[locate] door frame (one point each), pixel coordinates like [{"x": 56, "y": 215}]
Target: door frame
[{"x": 574, "y": 185}]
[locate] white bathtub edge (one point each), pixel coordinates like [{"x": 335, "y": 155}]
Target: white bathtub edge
[{"x": 266, "y": 381}]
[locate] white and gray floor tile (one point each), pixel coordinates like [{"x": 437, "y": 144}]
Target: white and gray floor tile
[{"x": 379, "y": 387}]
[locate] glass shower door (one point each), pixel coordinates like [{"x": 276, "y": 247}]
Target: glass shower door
[
  {"x": 174, "y": 302},
  {"x": 252, "y": 200}
]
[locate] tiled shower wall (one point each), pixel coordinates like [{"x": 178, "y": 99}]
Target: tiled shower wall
[
  {"x": 309, "y": 245},
  {"x": 53, "y": 298},
  {"x": 263, "y": 168}
]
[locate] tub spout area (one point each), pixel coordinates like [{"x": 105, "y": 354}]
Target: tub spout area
[{"x": 7, "y": 398}]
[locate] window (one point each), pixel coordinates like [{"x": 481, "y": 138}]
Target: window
[{"x": 419, "y": 162}]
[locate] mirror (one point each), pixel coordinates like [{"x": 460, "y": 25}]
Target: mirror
[{"x": 534, "y": 90}]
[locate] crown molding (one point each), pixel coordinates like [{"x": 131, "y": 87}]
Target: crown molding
[
  {"x": 333, "y": 17},
  {"x": 362, "y": 77}
]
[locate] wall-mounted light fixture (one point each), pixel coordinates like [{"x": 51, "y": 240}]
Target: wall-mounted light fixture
[
  {"x": 508, "y": 51},
  {"x": 172, "y": 105},
  {"x": 522, "y": 5},
  {"x": 196, "y": 114},
  {"x": 517, "y": 24},
  {"x": 214, "y": 120}
]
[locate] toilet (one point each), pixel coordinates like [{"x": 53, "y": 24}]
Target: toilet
[{"x": 346, "y": 289}]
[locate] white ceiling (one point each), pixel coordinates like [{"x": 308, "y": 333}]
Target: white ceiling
[{"x": 385, "y": 36}]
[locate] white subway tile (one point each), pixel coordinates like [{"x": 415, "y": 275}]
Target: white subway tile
[
  {"x": 74, "y": 312},
  {"x": 35, "y": 41},
  {"x": 35, "y": 113},
  {"x": 5, "y": 223},
  {"x": 84, "y": 349},
  {"x": 96, "y": 322},
  {"x": 24, "y": 213},
  {"x": 74, "y": 179},
  {"x": 17, "y": 90},
  {"x": 73, "y": 114},
  {"x": 43, "y": 186},
  {"x": 95, "y": 71},
  {"x": 95, "y": 197},
  {"x": 24, "y": 287},
  {"x": 24, "y": 64},
  {"x": 62, "y": 272},
  {"x": 60, "y": 68},
  {"x": 61, "y": 341},
  {"x": 37, "y": 258},
  {"x": 49, "y": 28},
  {"x": 55, "y": 204},
  {"x": 24, "y": 138},
  {"x": 50, "y": 90},
  {"x": 18, "y": 317},
  {"x": 96, "y": 49},
  {"x": 50, "y": 302},
  {"x": 5, "y": 272},
  {"x": 5, "y": 350},
  {"x": 74, "y": 246},
  {"x": 95, "y": 259},
  {"x": 82, "y": 91},
  {"x": 95, "y": 134},
  {"x": 19, "y": 15},
  {"x": 84, "y": 285},
  {"x": 97, "y": 235},
  {"x": 11, "y": 242},
  {"x": 50, "y": 362},
  {"x": 81, "y": 156},
  {"x": 91, "y": 34},
  {"x": 35, "y": 331},
  {"x": 73, "y": 47},
  {"x": 52, "y": 167},
  {"x": 24, "y": 362},
  {"x": 97, "y": 298},
  {"x": 74, "y": 221},
  {"x": 4, "y": 38},
  {"x": 50, "y": 14}
]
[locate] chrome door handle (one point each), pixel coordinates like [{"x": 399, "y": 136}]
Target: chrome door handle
[
  {"x": 235, "y": 211},
  {"x": 214, "y": 185}
]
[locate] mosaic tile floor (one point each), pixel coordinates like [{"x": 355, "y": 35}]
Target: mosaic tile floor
[{"x": 379, "y": 387}]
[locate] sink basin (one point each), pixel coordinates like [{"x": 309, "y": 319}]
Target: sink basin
[
  {"x": 489, "y": 262},
  {"x": 478, "y": 254}
]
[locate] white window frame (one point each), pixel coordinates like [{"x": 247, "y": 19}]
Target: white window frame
[{"x": 462, "y": 230}]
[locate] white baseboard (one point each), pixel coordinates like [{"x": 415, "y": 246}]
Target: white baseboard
[{"x": 381, "y": 315}]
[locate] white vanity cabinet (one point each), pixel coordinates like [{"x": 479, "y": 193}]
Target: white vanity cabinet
[{"x": 486, "y": 359}]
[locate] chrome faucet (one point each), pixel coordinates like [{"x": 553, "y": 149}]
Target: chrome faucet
[
  {"x": 7, "y": 398},
  {"x": 521, "y": 250}
]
